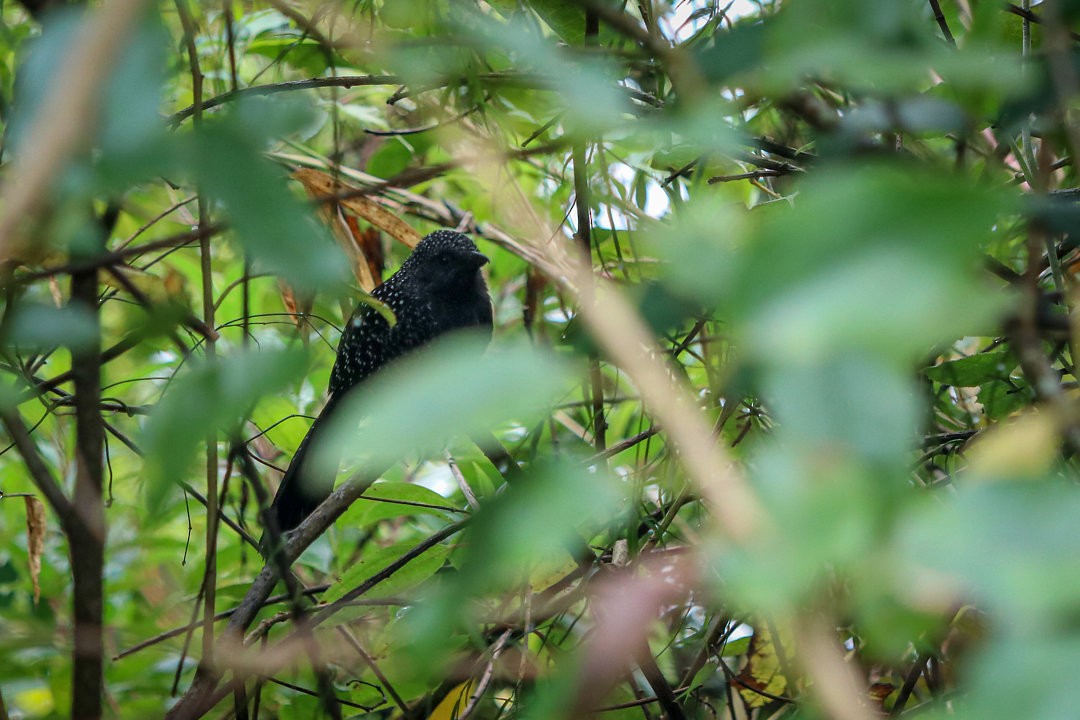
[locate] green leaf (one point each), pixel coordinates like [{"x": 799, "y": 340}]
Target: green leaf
[
  {"x": 587, "y": 86},
  {"x": 303, "y": 53},
  {"x": 276, "y": 228},
  {"x": 388, "y": 499},
  {"x": 564, "y": 17},
  {"x": 377, "y": 559},
  {"x": 452, "y": 388},
  {"x": 875, "y": 258},
  {"x": 708, "y": 671},
  {"x": 974, "y": 370},
  {"x": 37, "y": 326},
  {"x": 734, "y": 51},
  {"x": 390, "y": 159},
  {"x": 1027, "y": 556},
  {"x": 735, "y": 648},
  {"x": 1001, "y": 399},
  {"x": 845, "y": 308},
  {"x": 543, "y": 516},
  {"x": 567, "y": 19}
]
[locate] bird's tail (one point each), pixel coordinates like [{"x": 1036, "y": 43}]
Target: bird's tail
[{"x": 304, "y": 486}]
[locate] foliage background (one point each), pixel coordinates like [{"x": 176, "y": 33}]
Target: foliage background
[{"x": 834, "y": 478}]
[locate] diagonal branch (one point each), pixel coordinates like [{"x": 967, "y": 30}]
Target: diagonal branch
[{"x": 204, "y": 692}]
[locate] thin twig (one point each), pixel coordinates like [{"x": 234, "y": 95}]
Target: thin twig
[{"x": 942, "y": 23}]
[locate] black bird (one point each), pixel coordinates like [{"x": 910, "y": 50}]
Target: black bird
[{"x": 439, "y": 288}]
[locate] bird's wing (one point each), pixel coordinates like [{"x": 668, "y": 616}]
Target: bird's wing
[{"x": 361, "y": 350}]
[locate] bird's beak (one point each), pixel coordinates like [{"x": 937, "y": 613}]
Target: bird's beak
[{"x": 478, "y": 259}]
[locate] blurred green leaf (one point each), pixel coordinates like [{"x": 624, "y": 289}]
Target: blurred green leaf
[
  {"x": 1023, "y": 672},
  {"x": 735, "y": 648},
  {"x": 1015, "y": 568},
  {"x": 1009, "y": 563},
  {"x": 278, "y": 230},
  {"x": 733, "y": 51},
  {"x": 538, "y": 517},
  {"x": 36, "y": 326},
  {"x": 827, "y": 511},
  {"x": 872, "y": 171},
  {"x": 878, "y": 48},
  {"x": 210, "y": 397},
  {"x": 131, "y": 142},
  {"x": 390, "y": 159},
  {"x": 587, "y": 86},
  {"x": 826, "y": 406},
  {"x": 565, "y": 17},
  {"x": 452, "y": 388},
  {"x": 854, "y": 307},
  {"x": 916, "y": 114},
  {"x": 699, "y": 247}
]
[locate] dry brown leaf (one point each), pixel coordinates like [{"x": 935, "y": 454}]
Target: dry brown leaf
[
  {"x": 54, "y": 289},
  {"x": 320, "y": 184},
  {"x": 340, "y": 228},
  {"x": 175, "y": 283},
  {"x": 342, "y": 231},
  {"x": 292, "y": 306},
  {"x": 35, "y": 540},
  {"x": 370, "y": 242},
  {"x": 880, "y": 691}
]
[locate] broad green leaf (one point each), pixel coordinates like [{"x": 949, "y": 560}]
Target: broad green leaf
[
  {"x": 894, "y": 303},
  {"x": 130, "y": 122},
  {"x": 453, "y": 388},
  {"x": 1001, "y": 399},
  {"x": 838, "y": 269},
  {"x": 303, "y": 53},
  {"x": 824, "y": 405},
  {"x": 735, "y": 648},
  {"x": 386, "y": 499},
  {"x": 376, "y": 559},
  {"x": 974, "y": 370}
]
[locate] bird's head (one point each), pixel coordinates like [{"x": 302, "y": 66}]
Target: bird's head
[{"x": 446, "y": 260}]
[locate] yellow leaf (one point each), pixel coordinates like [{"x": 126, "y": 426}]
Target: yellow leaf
[
  {"x": 764, "y": 669},
  {"x": 550, "y": 570},
  {"x": 35, "y": 702},
  {"x": 454, "y": 702},
  {"x": 1024, "y": 447}
]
